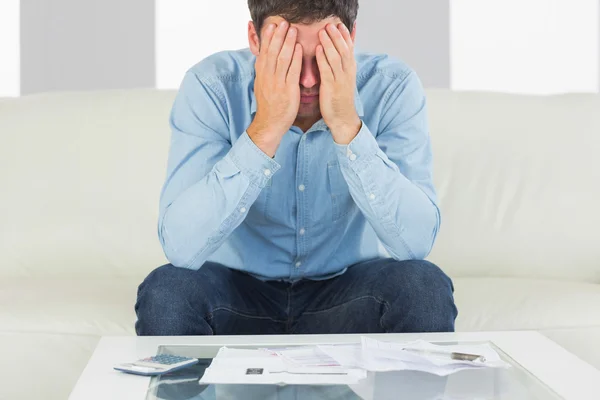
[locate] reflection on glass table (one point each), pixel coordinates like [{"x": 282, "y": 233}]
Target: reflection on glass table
[{"x": 514, "y": 383}]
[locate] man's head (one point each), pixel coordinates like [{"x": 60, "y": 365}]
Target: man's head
[{"x": 309, "y": 17}]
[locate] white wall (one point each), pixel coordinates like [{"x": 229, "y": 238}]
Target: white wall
[
  {"x": 86, "y": 44},
  {"x": 525, "y": 46},
  {"x": 189, "y": 30},
  {"x": 9, "y": 48},
  {"x": 416, "y": 31}
]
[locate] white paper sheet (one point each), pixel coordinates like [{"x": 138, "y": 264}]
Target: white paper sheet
[
  {"x": 396, "y": 351},
  {"x": 375, "y": 355},
  {"x": 231, "y": 366},
  {"x": 306, "y": 356}
]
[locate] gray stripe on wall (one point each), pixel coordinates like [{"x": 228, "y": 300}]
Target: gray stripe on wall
[
  {"x": 87, "y": 45},
  {"x": 417, "y": 32}
]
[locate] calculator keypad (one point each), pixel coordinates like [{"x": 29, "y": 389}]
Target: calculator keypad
[{"x": 165, "y": 359}]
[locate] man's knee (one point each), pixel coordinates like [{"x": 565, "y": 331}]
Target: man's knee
[
  {"x": 423, "y": 296},
  {"x": 168, "y": 304},
  {"x": 415, "y": 277},
  {"x": 426, "y": 277}
]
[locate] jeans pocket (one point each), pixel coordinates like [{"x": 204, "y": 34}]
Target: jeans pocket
[{"x": 341, "y": 200}]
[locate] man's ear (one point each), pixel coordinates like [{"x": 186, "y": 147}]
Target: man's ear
[{"x": 253, "y": 40}]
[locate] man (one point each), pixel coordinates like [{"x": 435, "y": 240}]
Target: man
[{"x": 290, "y": 163}]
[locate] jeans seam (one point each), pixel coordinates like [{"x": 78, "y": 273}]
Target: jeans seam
[
  {"x": 210, "y": 315},
  {"x": 377, "y": 299},
  {"x": 386, "y": 305}
]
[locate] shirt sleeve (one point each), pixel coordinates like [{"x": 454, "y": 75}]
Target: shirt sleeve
[
  {"x": 211, "y": 183},
  {"x": 390, "y": 175}
]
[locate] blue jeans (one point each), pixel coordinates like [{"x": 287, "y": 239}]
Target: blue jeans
[{"x": 373, "y": 297}]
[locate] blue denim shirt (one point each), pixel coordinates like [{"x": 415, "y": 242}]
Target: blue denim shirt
[{"x": 317, "y": 207}]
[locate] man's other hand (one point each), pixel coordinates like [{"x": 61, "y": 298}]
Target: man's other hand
[
  {"x": 337, "y": 66},
  {"x": 276, "y": 87}
]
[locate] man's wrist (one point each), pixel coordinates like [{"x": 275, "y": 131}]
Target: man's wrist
[
  {"x": 267, "y": 142},
  {"x": 345, "y": 133}
]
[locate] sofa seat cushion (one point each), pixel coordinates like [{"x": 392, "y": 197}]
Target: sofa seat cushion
[
  {"x": 518, "y": 304},
  {"x": 75, "y": 306}
]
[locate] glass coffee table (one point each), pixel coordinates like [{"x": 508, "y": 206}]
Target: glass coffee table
[{"x": 540, "y": 369}]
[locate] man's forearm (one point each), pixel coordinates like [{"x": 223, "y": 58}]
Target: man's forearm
[
  {"x": 405, "y": 219},
  {"x": 197, "y": 221}
]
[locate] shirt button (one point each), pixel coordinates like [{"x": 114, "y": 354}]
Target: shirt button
[
  {"x": 243, "y": 210},
  {"x": 372, "y": 196},
  {"x": 298, "y": 264},
  {"x": 267, "y": 172},
  {"x": 302, "y": 231},
  {"x": 352, "y": 157},
  {"x": 301, "y": 188}
]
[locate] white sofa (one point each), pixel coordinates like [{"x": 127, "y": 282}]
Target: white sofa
[{"x": 80, "y": 174}]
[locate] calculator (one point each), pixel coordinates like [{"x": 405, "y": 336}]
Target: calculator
[{"x": 156, "y": 365}]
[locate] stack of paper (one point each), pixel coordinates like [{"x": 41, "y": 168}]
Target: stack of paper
[
  {"x": 375, "y": 355},
  {"x": 343, "y": 364}
]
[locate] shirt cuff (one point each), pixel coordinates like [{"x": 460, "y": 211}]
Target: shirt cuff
[
  {"x": 360, "y": 151},
  {"x": 252, "y": 161}
]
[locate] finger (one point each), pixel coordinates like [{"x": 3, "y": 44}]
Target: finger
[
  {"x": 293, "y": 75},
  {"x": 323, "y": 64},
  {"x": 348, "y": 60},
  {"x": 266, "y": 39},
  {"x": 338, "y": 40},
  {"x": 347, "y": 37},
  {"x": 285, "y": 56},
  {"x": 333, "y": 57},
  {"x": 275, "y": 46}
]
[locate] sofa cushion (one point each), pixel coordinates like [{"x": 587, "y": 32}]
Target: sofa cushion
[
  {"x": 73, "y": 306},
  {"x": 520, "y": 304},
  {"x": 517, "y": 177},
  {"x": 81, "y": 175}
]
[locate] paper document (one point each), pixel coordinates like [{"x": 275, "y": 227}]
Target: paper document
[
  {"x": 241, "y": 366},
  {"x": 376, "y": 355},
  {"x": 344, "y": 364},
  {"x": 429, "y": 352},
  {"x": 305, "y": 356}
]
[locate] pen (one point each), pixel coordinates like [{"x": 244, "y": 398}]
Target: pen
[{"x": 453, "y": 355}]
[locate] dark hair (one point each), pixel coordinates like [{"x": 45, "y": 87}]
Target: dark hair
[{"x": 303, "y": 11}]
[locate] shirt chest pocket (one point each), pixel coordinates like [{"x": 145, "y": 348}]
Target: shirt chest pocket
[
  {"x": 341, "y": 201},
  {"x": 275, "y": 203}
]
